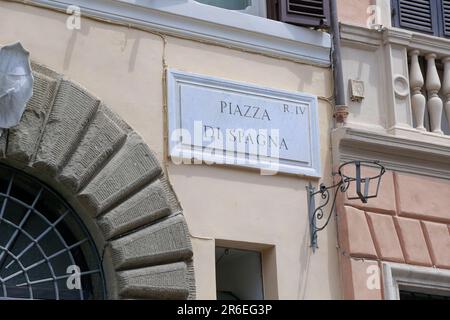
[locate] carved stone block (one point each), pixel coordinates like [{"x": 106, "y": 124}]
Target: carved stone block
[
  {"x": 73, "y": 108},
  {"x": 24, "y": 138},
  {"x": 159, "y": 282},
  {"x": 143, "y": 208},
  {"x": 130, "y": 170},
  {"x": 102, "y": 139},
  {"x": 165, "y": 242}
]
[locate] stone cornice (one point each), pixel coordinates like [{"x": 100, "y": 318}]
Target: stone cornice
[
  {"x": 361, "y": 36},
  {"x": 396, "y": 153},
  {"x": 192, "y": 20}
]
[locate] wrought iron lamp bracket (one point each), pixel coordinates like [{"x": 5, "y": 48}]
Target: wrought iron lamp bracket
[{"x": 317, "y": 214}]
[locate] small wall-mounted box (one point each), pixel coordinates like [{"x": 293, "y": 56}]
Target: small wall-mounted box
[{"x": 356, "y": 90}]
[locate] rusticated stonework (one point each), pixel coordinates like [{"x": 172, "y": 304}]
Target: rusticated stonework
[
  {"x": 408, "y": 223},
  {"x": 69, "y": 137}
]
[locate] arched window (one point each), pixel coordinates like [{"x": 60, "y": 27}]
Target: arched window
[{"x": 46, "y": 252}]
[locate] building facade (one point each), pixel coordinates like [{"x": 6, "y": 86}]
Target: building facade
[
  {"x": 105, "y": 192},
  {"x": 96, "y": 133},
  {"x": 395, "y": 74}
]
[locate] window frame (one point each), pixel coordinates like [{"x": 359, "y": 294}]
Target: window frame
[
  {"x": 414, "y": 278},
  {"x": 188, "y": 19},
  {"x": 257, "y": 8},
  {"x": 437, "y": 18},
  {"x": 268, "y": 264},
  {"x": 260, "y": 272},
  {"x": 303, "y": 19}
]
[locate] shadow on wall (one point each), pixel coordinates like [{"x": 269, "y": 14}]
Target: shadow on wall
[
  {"x": 70, "y": 24},
  {"x": 235, "y": 174},
  {"x": 134, "y": 37},
  {"x": 306, "y": 76},
  {"x": 305, "y": 259},
  {"x": 307, "y": 256}
]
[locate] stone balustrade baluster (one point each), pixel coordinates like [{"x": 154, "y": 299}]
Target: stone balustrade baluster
[
  {"x": 433, "y": 85},
  {"x": 416, "y": 82},
  {"x": 446, "y": 87}
]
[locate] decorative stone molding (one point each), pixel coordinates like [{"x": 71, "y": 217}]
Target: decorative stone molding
[
  {"x": 418, "y": 100},
  {"x": 192, "y": 20},
  {"x": 446, "y": 87},
  {"x": 360, "y": 37},
  {"x": 368, "y": 38},
  {"x": 405, "y": 154},
  {"x": 433, "y": 86},
  {"x": 414, "y": 278},
  {"x": 69, "y": 139},
  {"x": 402, "y": 113},
  {"x": 401, "y": 86}
]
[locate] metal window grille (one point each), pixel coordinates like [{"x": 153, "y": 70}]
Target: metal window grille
[{"x": 46, "y": 252}]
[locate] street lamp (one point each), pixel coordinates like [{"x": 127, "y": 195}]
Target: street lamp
[{"x": 363, "y": 192}]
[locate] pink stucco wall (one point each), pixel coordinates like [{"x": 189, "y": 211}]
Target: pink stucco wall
[
  {"x": 354, "y": 11},
  {"x": 409, "y": 223}
]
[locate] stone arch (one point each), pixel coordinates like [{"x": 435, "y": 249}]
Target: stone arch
[{"x": 73, "y": 142}]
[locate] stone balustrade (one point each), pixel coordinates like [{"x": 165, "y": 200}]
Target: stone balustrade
[
  {"x": 406, "y": 78},
  {"x": 429, "y": 93}
]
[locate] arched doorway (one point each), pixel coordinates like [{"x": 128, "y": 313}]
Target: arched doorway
[{"x": 73, "y": 147}]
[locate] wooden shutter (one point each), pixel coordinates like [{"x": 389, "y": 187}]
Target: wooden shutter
[
  {"x": 446, "y": 18},
  {"x": 309, "y": 13},
  {"x": 416, "y": 15}
]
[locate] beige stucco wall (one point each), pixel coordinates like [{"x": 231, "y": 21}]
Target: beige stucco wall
[
  {"x": 365, "y": 61},
  {"x": 124, "y": 67},
  {"x": 354, "y": 11},
  {"x": 367, "y": 65}
]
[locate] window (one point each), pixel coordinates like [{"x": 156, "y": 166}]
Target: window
[
  {"x": 409, "y": 294},
  {"x": 406, "y": 282},
  {"x": 254, "y": 7},
  {"x": 238, "y": 274},
  {"x": 45, "y": 250},
  {"x": 203, "y": 22},
  {"x": 310, "y": 13},
  {"x": 427, "y": 16}
]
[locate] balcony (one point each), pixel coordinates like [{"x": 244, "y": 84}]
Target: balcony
[
  {"x": 430, "y": 96},
  {"x": 404, "y": 115}
]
